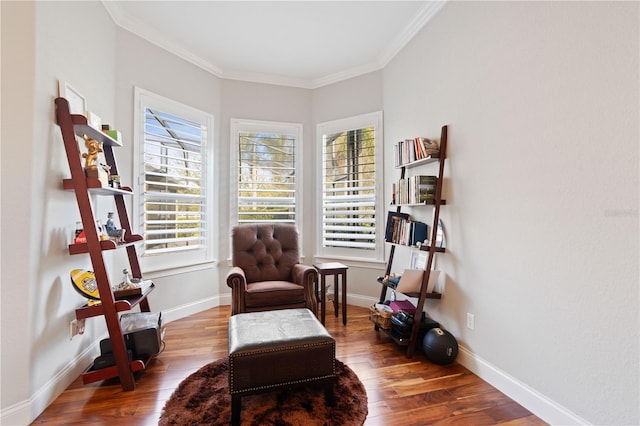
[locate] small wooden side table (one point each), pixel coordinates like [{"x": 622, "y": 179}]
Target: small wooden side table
[{"x": 336, "y": 270}]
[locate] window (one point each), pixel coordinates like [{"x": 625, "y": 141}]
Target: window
[
  {"x": 351, "y": 164},
  {"x": 267, "y": 158},
  {"x": 174, "y": 168}
]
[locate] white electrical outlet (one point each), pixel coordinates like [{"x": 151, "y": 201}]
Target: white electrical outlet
[
  {"x": 73, "y": 329},
  {"x": 471, "y": 321},
  {"x": 76, "y": 327}
]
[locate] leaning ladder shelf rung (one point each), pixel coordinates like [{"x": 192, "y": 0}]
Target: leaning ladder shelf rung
[
  {"x": 121, "y": 305},
  {"x": 90, "y": 375},
  {"x": 80, "y": 248},
  {"x": 94, "y": 185},
  {"x": 433, "y": 295},
  {"x": 426, "y": 203}
]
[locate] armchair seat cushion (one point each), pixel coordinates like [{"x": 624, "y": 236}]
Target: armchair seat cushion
[{"x": 274, "y": 293}]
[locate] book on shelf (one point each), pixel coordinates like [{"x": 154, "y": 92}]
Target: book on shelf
[
  {"x": 418, "y": 148},
  {"x": 402, "y": 305},
  {"x": 401, "y": 229},
  {"x": 414, "y": 190},
  {"x": 419, "y": 233},
  {"x": 426, "y": 188},
  {"x": 395, "y": 223},
  {"x": 428, "y": 147}
]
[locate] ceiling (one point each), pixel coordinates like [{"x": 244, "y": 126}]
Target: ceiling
[{"x": 294, "y": 43}]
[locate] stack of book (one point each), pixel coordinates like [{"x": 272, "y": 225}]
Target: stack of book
[
  {"x": 414, "y": 190},
  {"x": 401, "y": 229},
  {"x": 418, "y": 148}
]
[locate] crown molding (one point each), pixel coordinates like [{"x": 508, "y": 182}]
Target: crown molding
[
  {"x": 156, "y": 38},
  {"x": 430, "y": 9},
  {"x": 346, "y": 74},
  {"x": 265, "y": 78}
]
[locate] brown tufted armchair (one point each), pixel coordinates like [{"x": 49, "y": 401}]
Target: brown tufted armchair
[{"x": 266, "y": 273}]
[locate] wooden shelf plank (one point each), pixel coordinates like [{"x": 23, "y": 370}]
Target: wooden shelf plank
[
  {"x": 399, "y": 341},
  {"x": 426, "y": 203},
  {"x": 433, "y": 295},
  {"x": 95, "y": 187},
  {"x": 81, "y": 127},
  {"x": 105, "y": 244},
  {"x": 422, "y": 248},
  {"x": 420, "y": 162},
  {"x": 121, "y": 305},
  {"x": 90, "y": 375}
]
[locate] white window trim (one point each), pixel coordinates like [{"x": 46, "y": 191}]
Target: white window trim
[
  {"x": 239, "y": 125},
  {"x": 375, "y": 120},
  {"x": 172, "y": 261}
]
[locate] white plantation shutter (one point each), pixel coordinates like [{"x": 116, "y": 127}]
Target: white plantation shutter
[
  {"x": 350, "y": 159},
  {"x": 173, "y": 187},
  {"x": 266, "y": 177},
  {"x": 174, "y": 163},
  {"x": 267, "y": 169},
  {"x": 349, "y": 189}
]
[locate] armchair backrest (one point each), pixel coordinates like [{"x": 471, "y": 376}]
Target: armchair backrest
[{"x": 266, "y": 252}]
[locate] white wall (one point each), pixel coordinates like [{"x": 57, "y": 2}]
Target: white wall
[
  {"x": 541, "y": 99},
  {"x": 55, "y": 41},
  {"x": 18, "y": 65}
]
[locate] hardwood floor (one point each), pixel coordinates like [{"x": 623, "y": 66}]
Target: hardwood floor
[{"x": 400, "y": 391}]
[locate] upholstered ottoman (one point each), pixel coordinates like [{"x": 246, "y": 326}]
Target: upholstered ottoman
[{"x": 273, "y": 349}]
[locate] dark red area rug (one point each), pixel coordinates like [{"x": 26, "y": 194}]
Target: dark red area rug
[{"x": 203, "y": 399}]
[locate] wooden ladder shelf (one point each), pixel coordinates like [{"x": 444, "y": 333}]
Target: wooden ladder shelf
[{"x": 73, "y": 126}]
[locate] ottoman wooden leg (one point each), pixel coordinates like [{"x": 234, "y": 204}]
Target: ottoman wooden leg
[
  {"x": 328, "y": 393},
  {"x": 235, "y": 409}
]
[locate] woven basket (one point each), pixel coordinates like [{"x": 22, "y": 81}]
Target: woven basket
[{"x": 381, "y": 319}]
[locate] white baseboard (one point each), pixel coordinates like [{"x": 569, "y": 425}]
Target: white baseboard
[
  {"x": 183, "y": 311},
  {"x": 532, "y": 400},
  {"x": 362, "y": 301},
  {"x": 25, "y": 412}
]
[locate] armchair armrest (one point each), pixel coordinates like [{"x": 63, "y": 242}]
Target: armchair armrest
[
  {"x": 307, "y": 276},
  {"x": 238, "y": 283},
  {"x": 236, "y": 277}
]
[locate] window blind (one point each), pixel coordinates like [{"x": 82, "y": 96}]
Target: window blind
[
  {"x": 266, "y": 178},
  {"x": 174, "y": 204},
  {"x": 349, "y": 189}
]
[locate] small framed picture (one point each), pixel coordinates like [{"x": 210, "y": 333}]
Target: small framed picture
[
  {"x": 418, "y": 259},
  {"x": 441, "y": 241},
  {"x": 77, "y": 102},
  {"x": 94, "y": 120}
]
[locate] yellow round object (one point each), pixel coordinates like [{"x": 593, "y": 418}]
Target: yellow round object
[{"x": 85, "y": 283}]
